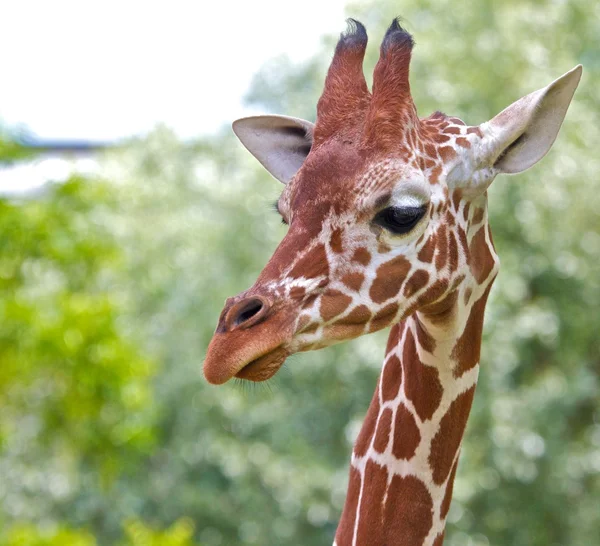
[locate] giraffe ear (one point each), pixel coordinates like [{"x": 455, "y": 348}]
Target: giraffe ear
[
  {"x": 519, "y": 136},
  {"x": 280, "y": 143}
]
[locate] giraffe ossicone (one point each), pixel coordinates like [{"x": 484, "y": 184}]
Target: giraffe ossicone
[{"x": 388, "y": 226}]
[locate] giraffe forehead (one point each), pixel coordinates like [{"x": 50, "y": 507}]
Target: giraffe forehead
[
  {"x": 343, "y": 176},
  {"x": 356, "y": 187},
  {"x": 323, "y": 181},
  {"x": 396, "y": 179}
]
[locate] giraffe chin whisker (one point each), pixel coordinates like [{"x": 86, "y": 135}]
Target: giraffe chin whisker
[{"x": 265, "y": 366}]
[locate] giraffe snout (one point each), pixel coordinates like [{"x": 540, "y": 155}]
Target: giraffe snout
[{"x": 250, "y": 342}]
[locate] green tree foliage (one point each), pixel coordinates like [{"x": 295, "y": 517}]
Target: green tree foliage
[
  {"x": 58, "y": 320},
  {"x": 136, "y": 534},
  {"x": 11, "y": 149},
  {"x": 108, "y": 445},
  {"x": 29, "y": 535},
  {"x": 75, "y": 392}
]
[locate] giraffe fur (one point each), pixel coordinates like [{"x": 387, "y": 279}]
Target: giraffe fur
[{"x": 388, "y": 228}]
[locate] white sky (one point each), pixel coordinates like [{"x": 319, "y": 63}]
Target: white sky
[{"x": 102, "y": 70}]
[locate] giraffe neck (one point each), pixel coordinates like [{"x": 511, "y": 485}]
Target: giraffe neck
[{"x": 405, "y": 457}]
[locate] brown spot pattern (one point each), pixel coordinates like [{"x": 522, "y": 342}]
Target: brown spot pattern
[
  {"x": 406, "y": 434},
  {"x": 391, "y": 378},
  {"x": 333, "y": 303},
  {"x": 456, "y": 197},
  {"x": 426, "y": 252},
  {"x": 439, "y": 540},
  {"x": 394, "y": 337},
  {"x": 312, "y": 264},
  {"x": 432, "y": 296},
  {"x": 370, "y": 530},
  {"x": 446, "y": 442},
  {"x": 441, "y": 247},
  {"x": 358, "y": 315},
  {"x": 390, "y": 277},
  {"x": 425, "y": 339},
  {"x": 303, "y": 322},
  {"x": 478, "y": 216},
  {"x": 368, "y": 428},
  {"x": 463, "y": 142},
  {"x": 416, "y": 281},
  {"x": 448, "y": 494},
  {"x": 336, "y": 241},
  {"x": 421, "y": 383},
  {"x": 297, "y": 292},
  {"x": 466, "y": 209},
  {"x": 345, "y": 530},
  {"x": 482, "y": 260},
  {"x": 447, "y": 153},
  {"x": 474, "y": 130},
  {"x": 431, "y": 150},
  {"x": 411, "y": 521},
  {"x": 452, "y": 251},
  {"x": 389, "y": 311},
  {"x": 440, "y": 138},
  {"x": 467, "y": 350},
  {"x": 435, "y": 174},
  {"x": 462, "y": 237},
  {"x": 384, "y": 426},
  {"x": 311, "y": 329},
  {"x": 361, "y": 256},
  {"x": 468, "y": 293},
  {"x": 353, "y": 280}
]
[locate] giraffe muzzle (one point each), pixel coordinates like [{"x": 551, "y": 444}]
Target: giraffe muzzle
[{"x": 251, "y": 340}]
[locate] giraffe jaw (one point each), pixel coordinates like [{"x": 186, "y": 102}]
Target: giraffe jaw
[{"x": 264, "y": 367}]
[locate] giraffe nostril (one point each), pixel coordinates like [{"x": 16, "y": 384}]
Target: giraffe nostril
[
  {"x": 247, "y": 312},
  {"x": 250, "y": 310}
]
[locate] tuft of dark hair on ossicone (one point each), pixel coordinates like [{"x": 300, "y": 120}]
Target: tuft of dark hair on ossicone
[
  {"x": 354, "y": 35},
  {"x": 396, "y": 37}
]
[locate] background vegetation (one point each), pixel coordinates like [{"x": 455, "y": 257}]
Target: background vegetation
[{"x": 110, "y": 289}]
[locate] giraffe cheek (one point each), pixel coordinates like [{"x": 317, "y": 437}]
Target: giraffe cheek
[
  {"x": 333, "y": 304},
  {"x": 416, "y": 282},
  {"x": 312, "y": 264},
  {"x": 341, "y": 332},
  {"x": 389, "y": 279}
]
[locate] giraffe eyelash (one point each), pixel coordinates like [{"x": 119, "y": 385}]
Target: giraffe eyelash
[{"x": 275, "y": 207}]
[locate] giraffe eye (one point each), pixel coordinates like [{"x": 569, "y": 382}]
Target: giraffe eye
[{"x": 399, "y": 220}]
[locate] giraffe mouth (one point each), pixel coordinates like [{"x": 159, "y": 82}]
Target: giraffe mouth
[{"x": 264, "y": 367}]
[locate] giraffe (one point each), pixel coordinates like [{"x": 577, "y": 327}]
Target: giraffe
[{"x": 388, "y": 226}]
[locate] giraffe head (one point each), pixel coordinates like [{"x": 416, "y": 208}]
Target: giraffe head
[{"x": 386, "y": 211}]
